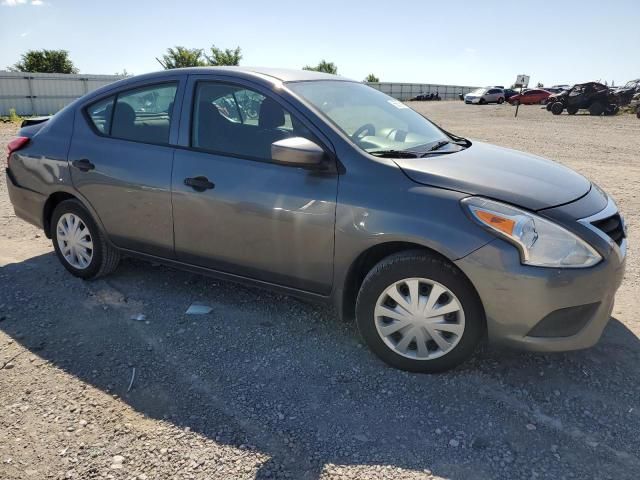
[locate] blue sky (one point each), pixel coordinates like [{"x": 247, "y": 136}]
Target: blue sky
[{"x": 464, "y": 43}]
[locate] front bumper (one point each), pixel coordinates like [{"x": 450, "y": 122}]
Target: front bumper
[
  {"x": 472, "y": 100},
  {"x": 543, "y": 309},
  {"x": 27, "y": 204}
]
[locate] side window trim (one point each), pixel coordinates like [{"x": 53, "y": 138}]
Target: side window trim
[{"x": 174, "y": 122}]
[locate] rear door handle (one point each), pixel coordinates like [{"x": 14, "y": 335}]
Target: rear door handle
[
  {"x": 199, "y": 184},
  {"x": 84, "y": 165}
]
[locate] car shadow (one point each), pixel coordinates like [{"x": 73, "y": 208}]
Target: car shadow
[{"x": 289, "y": 379}]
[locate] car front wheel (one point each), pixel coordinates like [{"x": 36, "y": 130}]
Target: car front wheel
[
  {"x": 79, "y": 243},
  {"x": 419, "y": 313}
]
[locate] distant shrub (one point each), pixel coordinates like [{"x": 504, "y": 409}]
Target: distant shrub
[{"x": 13, "y": 117}]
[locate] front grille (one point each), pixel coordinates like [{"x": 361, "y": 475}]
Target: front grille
[{"x": 612, "y": 226}]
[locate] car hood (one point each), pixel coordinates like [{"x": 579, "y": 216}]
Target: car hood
[{"x": 503, "y": 174}]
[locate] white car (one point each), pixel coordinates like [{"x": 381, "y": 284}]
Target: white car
[{"x": 485, "y": 95}]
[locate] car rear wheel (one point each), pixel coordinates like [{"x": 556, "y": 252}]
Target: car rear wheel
[
  {"x": 557, "y": 108},
  {"x": 572, "y": 110},
  {"x": 79, "y": 243},
  {"x": 417, "y": 312},
  {"x": 596, "y": 109}
]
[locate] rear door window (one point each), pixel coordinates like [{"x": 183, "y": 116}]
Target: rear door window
[{"x": 142, "y": 115}]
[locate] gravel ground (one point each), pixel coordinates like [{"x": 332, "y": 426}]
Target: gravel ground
[{"x": 270, "y": 387}]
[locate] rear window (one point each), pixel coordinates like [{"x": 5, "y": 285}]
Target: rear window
[{"x": 142, "y": 115}]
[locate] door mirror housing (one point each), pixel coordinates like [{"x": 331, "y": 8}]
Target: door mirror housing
[{"x": 298, "y": 151}]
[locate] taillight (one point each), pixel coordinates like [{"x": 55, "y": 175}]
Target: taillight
[{"x": 15, "y": 145}]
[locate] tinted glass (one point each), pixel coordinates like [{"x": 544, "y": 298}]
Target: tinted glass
[
  {"x": 144, "y": 114},
  {"x": 239, "y": 121},
  {"x": 373, "y": 120},
  {"x": 100, "y": 114}
]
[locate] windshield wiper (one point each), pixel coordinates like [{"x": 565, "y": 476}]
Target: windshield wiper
[
  {"x": 394, "y": 154},
  {"x": 440, "y": 144}
]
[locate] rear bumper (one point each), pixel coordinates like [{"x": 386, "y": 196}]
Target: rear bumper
[
  {"x": 27, "y": 204},
  {"x": 542, "y": 309}
]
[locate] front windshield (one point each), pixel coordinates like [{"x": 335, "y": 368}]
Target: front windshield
[
  {"x": 479, "y": 91},
  {"x": 373, "y": 120}
]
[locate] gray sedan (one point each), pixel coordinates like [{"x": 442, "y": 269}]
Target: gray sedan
[{"x": 324, "y": 188}]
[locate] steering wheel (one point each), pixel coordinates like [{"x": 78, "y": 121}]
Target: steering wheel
[{"x": 367, "y": 128}]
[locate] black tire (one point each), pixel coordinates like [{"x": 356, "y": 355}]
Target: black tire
[
  {"x": 596, "y": 109},
  {"x": 104, "y": 259},
  {"x": 482, "y": 101},
  {"x": 612, "y": 109},
  {"x": 638, "y": 113},
  {"x": 411, "y": 264},
  {"x": 501, "y": 100},
  {"x": 549, "y": 105},
  {"x": 557, "y": 108},
  {"x": 572, "y": 110}
]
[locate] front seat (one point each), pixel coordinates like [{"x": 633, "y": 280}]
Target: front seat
[
  {"x": 271, "y": 115},
  {"x": 124, "y": 121},
  {"x": 213, "y": 130},
  {"x": 271, "y": 119}
]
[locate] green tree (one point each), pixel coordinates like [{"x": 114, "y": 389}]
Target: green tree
[
  {"x": 226, "y": 57},
  {"x": 45, "y": 61},
  {"x": 323, "y": 66},
  {"x": 124, "y": 73},
  {"x": 371, "y": 78},
  {"x": 180, "y": 57}
]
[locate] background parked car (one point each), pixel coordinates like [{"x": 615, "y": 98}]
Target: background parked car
[
  {"x": 530, "y": 97},
  {"x": 510, "y": 92},
  {"x": 485, "y": 95},
  {"x": 423, "y": 97},
  {"x": 626, "y": 93},
  {"x": 635, "y": 104},
  {"x": 592, "y": 96}
]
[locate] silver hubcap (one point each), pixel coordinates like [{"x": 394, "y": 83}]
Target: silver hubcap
[
  {"x": 419, "y": 318},
  {"x": 74, "y": 241}
]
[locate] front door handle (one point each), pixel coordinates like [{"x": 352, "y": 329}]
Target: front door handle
[
  {"x": 84, "y": 165},
  {"x": 199, "y": 184}
]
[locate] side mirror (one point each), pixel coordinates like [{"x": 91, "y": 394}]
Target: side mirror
[{"x": 297, "y": 151}]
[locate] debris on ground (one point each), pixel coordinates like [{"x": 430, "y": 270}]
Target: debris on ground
[{"x": 198, "y": 309}]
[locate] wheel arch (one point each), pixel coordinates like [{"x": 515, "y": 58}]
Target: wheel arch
[
  {"x": 366, "y": 260},
  {"x": 57, "y": 197}
]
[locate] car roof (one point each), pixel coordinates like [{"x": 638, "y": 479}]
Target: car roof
[{"x": 281, "y": 74}]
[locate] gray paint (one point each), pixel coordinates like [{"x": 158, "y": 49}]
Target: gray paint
[
  {"x": 511, "y": 176},
  {"x": 299, "y": 230}
]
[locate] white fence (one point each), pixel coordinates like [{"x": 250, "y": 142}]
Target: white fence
[
  {"x": 45, "y": 93},
  {"x": 406, "y": 91}
]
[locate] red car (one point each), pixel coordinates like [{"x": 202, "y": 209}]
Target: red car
[{"x": 530, "y": 97}]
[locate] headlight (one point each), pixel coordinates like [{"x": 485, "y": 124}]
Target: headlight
[{"x": 541, "y": 243}]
